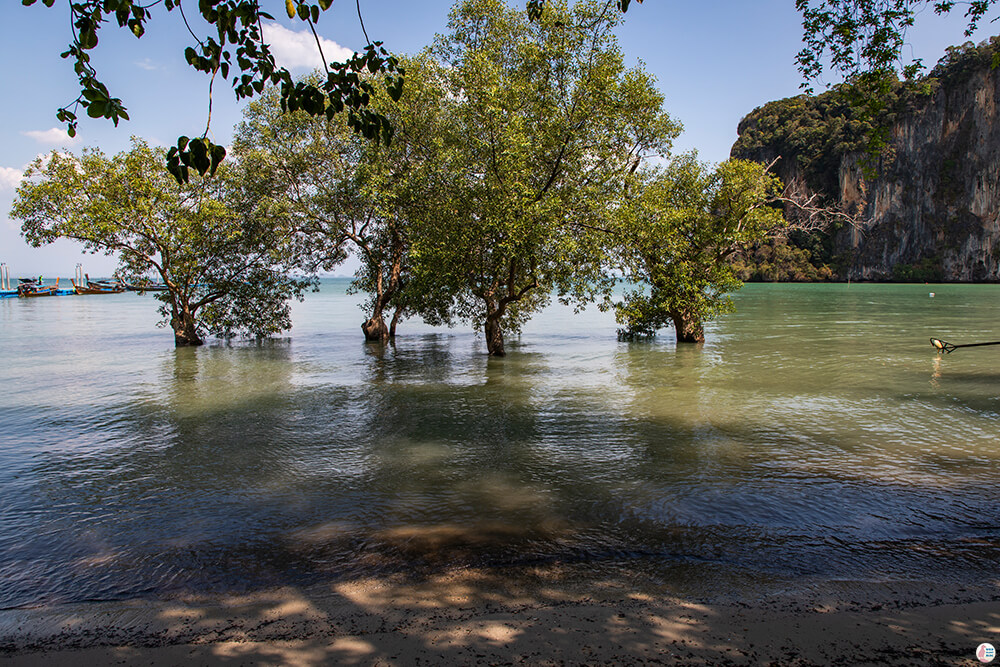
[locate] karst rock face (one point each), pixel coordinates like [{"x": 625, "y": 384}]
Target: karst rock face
[{"x": 934, "y": 197}]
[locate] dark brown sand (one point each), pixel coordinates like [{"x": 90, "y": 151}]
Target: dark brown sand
[{"x": 472, "y": 617}]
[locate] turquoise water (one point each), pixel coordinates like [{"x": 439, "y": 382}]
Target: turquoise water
[{"x": 816, "y": 436}]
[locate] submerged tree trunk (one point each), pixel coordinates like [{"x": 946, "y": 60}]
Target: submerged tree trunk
[
  {"x": 494, "y": 337},
  {"x": 688, "y": 327},
  {"x": 185, "y": 329},
  {"x": 497, "y": 307},
  {"x": 375, "y": 329},
  {"x": 392, "y": 325}
]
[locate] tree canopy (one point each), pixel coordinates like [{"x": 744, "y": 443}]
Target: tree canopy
[
  {"x": 549, "y": 123},
  {"x": 344, "y": 193},
  {"x": 860, "y": 39},
  {"x": 676, "y": 237},
  {"x": 215, "y": 244}
]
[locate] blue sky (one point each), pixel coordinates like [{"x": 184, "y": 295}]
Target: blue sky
[{"x": 715, "y": 61}]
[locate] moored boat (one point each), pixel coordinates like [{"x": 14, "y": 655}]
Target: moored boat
[
  {"x": 31, "y": 287},
  {"x": 99, "y": 287},
  {"x": 95, "y": 286},
  {"x": 145, "y": 287}
]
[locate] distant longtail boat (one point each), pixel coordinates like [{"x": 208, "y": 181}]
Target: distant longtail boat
[
  {"x": 98, "y": 287},
  {"x": 30, "y": 287}
]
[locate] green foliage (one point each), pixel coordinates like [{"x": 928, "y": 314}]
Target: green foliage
[
  {"x": 677, "y": 236},
  {"x": 535, "y": 8},
  {"x": 960, "y": 62},
  {"x": 818, "y": 131},
  {"x": 342, "y": 192},
  {"x": 855, "y": 38},
  {"x": 866, "y": 38},
  {"x": 214, "y": 243},
  {"x": 548, "y": 122},
  {"x": 777, "y": 261},
  {"x": 201, "y": 154},
  {"x": 236, "y": 47},
  {"x": 862, "y": 39},
  {"x": 927, "y": 270}
]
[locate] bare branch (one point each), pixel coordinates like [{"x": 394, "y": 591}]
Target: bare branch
[{"x": 807, "y": 212}]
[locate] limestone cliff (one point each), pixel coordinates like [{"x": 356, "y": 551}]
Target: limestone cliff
[{"x": 931, "y": 206}]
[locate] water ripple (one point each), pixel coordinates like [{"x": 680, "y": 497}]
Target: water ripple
[{"x": 816, "y": 434}]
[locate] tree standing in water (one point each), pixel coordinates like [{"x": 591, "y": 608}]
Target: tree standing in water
[
  {"x": 344, "y": 193},
  {"x": 213, "y": 243},
  {"x": 676, "y": 237},
  {"x": 549, "y": 123}
]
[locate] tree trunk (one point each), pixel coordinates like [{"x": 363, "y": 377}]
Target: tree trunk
[
  {"x": 375, "y": 329},
  {"x": 496, "y": 307},
  {"x": 395, "y": 319},
  {"x": 185, "y": 329},
  {"x": 494, "y": 337},
  {"x": 689, "y": 328}
]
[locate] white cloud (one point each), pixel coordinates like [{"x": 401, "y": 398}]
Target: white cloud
[
  {"x": 53, "y": 137},
  {"x": 297, "y": 50},
  {"x": 146, "y": 64},
  {"x": 10, "y": 178}
]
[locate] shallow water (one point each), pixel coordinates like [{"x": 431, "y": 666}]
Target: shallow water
[{"x": 816, "y": 436}]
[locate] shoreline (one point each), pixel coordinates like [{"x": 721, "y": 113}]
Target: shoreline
[{"x": 482, "y": 617}]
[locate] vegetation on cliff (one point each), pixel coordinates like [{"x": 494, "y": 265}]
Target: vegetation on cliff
[
  {"x": 817, "y": 131},
  {"x": 813, "y": 135}
]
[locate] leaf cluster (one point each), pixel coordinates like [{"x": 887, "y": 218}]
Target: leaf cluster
[
  {"x": 237, "y": 47},
  {"x": 866, "y": 37},
  {"x": 200, "y": 154},
  {"x": 535, "y": 8},
  {"x": 775, "y": 260}
]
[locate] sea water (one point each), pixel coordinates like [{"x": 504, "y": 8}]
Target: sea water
[{"x": 815, "y": 436}]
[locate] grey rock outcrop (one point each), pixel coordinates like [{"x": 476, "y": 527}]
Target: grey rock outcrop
[{"x": 935, "y": 201}]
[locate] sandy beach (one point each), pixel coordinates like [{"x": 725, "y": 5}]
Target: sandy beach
[{"x": 474, "y": 617}]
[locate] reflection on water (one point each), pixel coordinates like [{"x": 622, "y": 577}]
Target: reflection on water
[{"x": 816, "y": 435}]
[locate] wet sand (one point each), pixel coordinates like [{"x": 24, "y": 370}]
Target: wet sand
[{"x": 473, "y": 617}]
